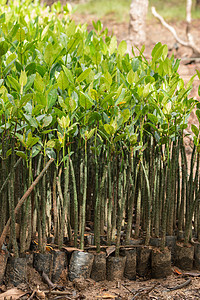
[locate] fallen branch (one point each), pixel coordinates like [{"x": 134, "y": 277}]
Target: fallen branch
[
  {"x": 21, "y": 201},
  {"x": 190, "y": 43}
]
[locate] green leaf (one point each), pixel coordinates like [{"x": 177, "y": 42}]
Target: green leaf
[
  {"x": 47, "y": 121},
  {"x": 72, "y": 104},
  {"x": 62, "y": 81},
  {"x": 49, "y": 54},
  {"x": 109, "y": 129},
  {"x": 122, "y": 48},
  {"x": 30, "y": 121},
  {"x": 155, "y": 49},
  {"x": 195, "y": 130},
  {"x": 13, "y": 31},
  {"x": 120, "y": 99},
  {"x": 95, "y": 116},
  {"x": 31, "y": 141},
  {"x": 2, "y": 16},
  {"x": 135, "y": 64},
  {"x": 51, "y": 153},
  {"x": 198, "y": 73},
  {"x": 126, "y": 115},
  {"x": 23, "y": 78},
  {"x": 8, "y": 152},
  {"x": 13, "y": 83},
  {"x": 68, "y": 73},
  {"x": 83, "y": 75},
  {"x": 51, "y": 144},
  {"x": 3, "y": 48},
  {"x": 64, "y": 122},
  {"x": 108, "y": 77},
  {"x": 96, "y": 58},
  {"x": 71, "y": 29},
  {"x": 39, "y": 84},
  {"x": 113, "y": 45},
  {"x": 21, "y": 139},
  {"x": 30, "y": 81},
  {"x": 130, "y": 77},
  {"x": 20, "y": 35},
  {"x": 133, "y": 139},
  {"x": 51, "y": 98},
  {"x": 198, "y": 114},
  {"x": 153, "y": 118},
  {"x": 85, "y": 102},
  {"x": 25, "y": 99},
  {"x": 190, "y": 82},
  {"x": 21, "y": 154},
  {"x": 91, "y": 133}
]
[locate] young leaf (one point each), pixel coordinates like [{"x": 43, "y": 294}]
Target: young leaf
[
  {"x": 62, "y": 81},
  {"x": 83, "y": 75},
  {"x": 91, "y": 133},
  {"x": 113, "y": 45},
  {"x": 122, "y": 48},
  {"x": 130, "y": 77},
  {"x": 14, "y": 83},
  {"x": 23, "y": 78},
  {"x": 20, "y": 35},
  {"x": 64, "y": 122},
  {"x": 39, "y": 83},
  {"x": 68, "y": 73}
]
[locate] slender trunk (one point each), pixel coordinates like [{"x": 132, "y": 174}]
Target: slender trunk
[
  {"x": 84, "y": 200},
  {"x": 55, "y": 207},
  {"x": 109, "y": 218},
  {"x": 138, "y": 205},
  {"x": 75, "y": 204},
  {"x": 133, "y": 182},
  {"x": 11, "y": 200}
]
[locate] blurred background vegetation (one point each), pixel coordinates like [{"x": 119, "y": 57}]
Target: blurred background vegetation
[{"x": 171, "y": 10}]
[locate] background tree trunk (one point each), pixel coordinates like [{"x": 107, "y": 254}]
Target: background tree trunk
[
  {"x": 197, "y": 3},
  {"x": 138, "y": 13}
]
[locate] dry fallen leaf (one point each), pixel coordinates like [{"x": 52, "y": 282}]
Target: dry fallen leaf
[
  {"x": 40, "y": 295},
  {"x": 14, "y": 293},
  {"x": 110, "y": 250},
  {"x": 177, "y": 271},
  {"x": 70, "y": 249}
]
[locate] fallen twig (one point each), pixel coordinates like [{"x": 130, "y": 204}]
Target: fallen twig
[
  {"x": 47, "y": 280},
  {"x": 59, "y": 293},
  {"x": 128, "y": 289},
  {"x": 21, "y": 201},
  {"x": 180, "y": 286},
  {"x": 144, "y": 291},
  {"x": 32, "y": 295},
  {"x": 193, "y": 274}
]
